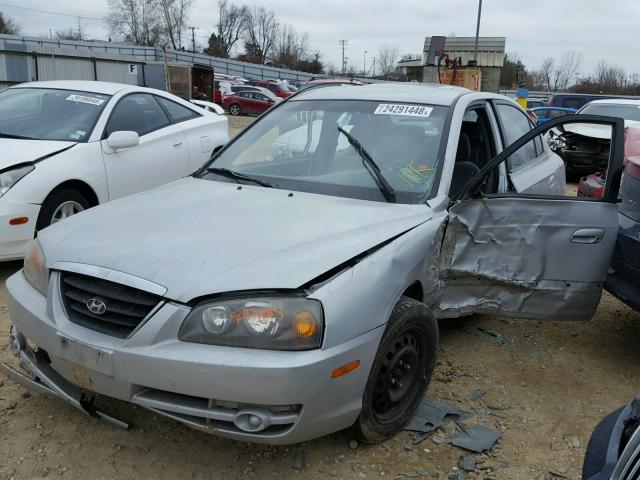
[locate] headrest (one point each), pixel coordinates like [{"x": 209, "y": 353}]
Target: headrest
[{"x": 464, "y": 148}]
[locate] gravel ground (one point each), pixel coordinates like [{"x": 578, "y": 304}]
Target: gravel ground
[{"x": 546, "y": 384}]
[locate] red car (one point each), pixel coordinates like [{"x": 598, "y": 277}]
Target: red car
[
  {"x": 279, "y": 88},
  {"x": 247, "y": 102},
  {"x": 593, "y": 185}
]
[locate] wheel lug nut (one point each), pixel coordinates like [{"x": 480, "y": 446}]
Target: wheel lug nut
[
  {"x": 407, "y": 367},
  {"x": 393, "y": 381},
  {"x": 399, "y": 384}
]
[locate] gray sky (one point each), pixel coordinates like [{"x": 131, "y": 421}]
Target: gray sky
[{"x": 534, "y": 30}]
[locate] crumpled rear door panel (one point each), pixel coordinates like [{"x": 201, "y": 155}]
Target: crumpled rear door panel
[{"x": 521, "y": 257}]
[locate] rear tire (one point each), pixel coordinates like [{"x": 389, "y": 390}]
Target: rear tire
[
  {"x": 401, "y": 372},
  {"x": 59, "y": 205},
  {"x": 234, "y": 109}
]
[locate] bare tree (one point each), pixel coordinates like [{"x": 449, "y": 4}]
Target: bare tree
[
  {"x": 174, "y": 14},
  {"x": 609, "y": 77},
  {"x": 135, "y": 21},
  {"x": 387, "y": 60},
  {"x": 546, "y": 71},
  {"x": 73, "y": 33},
  {"x": 231, "y": 26},
  {"x": 261, "y": 32},
  {"x": 570, "y": 63},
  {"x": 291, "y": 48},
  {"x": 8, "y": 25}
]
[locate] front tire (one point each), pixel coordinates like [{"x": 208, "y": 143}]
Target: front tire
[
  {"x": 401, "y": 372},
  {"x": 60, "y": 204},
  {"x": 234, "y": 109}
]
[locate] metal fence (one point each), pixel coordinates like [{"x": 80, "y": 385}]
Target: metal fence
[{"x": 55, "y": 50}]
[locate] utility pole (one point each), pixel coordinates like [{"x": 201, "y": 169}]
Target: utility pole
[
  {"x": 364, "y": 66},
  {"x": 193, "y": 38},
  {"x": 475, "y": 48},
  {"x": 343, "y": 43}
]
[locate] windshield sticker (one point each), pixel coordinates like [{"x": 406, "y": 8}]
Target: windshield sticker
[
  {"x": 407, "y": 110},
  {"x": 85, "y": 99}
]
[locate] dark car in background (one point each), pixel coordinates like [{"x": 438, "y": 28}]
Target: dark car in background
[
  {"x": 544, "y": 114},
  {"x": 577, "y": 100},
  {"x": 623, "y": 280},
  {"x": 536, "y": 102}
]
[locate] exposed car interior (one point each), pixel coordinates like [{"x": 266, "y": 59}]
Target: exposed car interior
[{"x": 475, "y": 148}]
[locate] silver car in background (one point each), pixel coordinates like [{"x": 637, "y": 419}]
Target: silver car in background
[{"x": 280, "y": 294}]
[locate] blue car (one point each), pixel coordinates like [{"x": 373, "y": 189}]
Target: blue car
[{"x": 544, "y": 114}]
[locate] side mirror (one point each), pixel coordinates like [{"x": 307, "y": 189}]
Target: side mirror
[{"x": 123, "y": 139}]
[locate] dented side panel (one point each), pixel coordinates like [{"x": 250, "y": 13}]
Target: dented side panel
[{"x": 526, "y": 257}]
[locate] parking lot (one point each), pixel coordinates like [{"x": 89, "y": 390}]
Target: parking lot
[{"x": 544, "y": 384}]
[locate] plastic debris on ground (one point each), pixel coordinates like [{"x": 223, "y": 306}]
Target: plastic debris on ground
[
  {"x": 431, "y": 415},
  {"x": 476, "y": 439}
]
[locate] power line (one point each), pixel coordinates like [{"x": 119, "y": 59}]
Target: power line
[{"x": 50, "y": 12}]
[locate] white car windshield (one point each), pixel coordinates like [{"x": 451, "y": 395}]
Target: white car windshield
[
  {"x": 314, "y": 146},
  {"x": 49, "y": 114},
  {"x": 626, "y": 112}
]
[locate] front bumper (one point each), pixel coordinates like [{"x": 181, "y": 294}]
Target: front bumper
[
  {"x": 14, "y": 239},
  {"x": 216, "y": 389}
]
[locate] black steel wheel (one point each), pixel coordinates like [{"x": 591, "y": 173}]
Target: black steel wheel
[{"x": 400, "y": 373}]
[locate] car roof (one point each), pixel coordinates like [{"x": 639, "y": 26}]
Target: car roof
[
  {"x": 433, "y": 94},
  {"x": 106, "y": 88},
  {"x": 617, "y": 101}
]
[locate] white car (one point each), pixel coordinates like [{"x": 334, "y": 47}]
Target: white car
[{"x": 70, "y": 145}]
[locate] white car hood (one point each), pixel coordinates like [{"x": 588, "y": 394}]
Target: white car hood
[
  {"x": 17, "y": 151},
  {"x": 200, "y": 237},
  {"x": 596, "y": 131}
]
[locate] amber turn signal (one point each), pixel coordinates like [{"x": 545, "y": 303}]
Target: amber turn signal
[
  {"x": 305, "y": 324},
  {"x": 18, "y": 221},
  {"x": 343, "y": 370}
]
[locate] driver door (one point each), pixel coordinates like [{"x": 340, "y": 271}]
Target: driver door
[
  {"x": 530, "y": 253},
  {"x": 160, "y": 157}
]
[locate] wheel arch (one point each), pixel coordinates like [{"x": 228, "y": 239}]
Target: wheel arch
[
  {"x": 414, "y": 291},
  {"x": 78, "y": 185}
]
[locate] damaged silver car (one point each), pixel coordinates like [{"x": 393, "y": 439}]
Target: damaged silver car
[{"x": 290, "y": 288}]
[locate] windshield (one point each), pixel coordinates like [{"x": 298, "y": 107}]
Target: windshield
[
  {"x": 299, "y": 146},
  {"x": 626, "y": 112},
  {"x": 50, "y": 114}
]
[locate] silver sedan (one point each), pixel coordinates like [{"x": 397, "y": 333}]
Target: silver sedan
[{"x": 291, "y": 287}]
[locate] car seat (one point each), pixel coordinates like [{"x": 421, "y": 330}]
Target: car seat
[{"x": 464, "y": 169}]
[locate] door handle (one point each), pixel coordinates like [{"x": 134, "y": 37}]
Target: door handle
[
  {"x": 177, "y": 143},
  {"x": 588, "y": 235}
]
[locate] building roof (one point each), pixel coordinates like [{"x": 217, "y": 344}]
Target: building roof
[
  {"x": 491, "y": 50},
  {"x": 432, "y": 94}
]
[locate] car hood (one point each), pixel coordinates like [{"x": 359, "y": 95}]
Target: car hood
[
  {"x": 200, "y": 237},
  {"x": 602, "y": 132},
  {"x": 20, "y": 151}
]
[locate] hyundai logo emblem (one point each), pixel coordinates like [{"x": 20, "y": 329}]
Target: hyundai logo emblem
[{"x": 96, "y": 306}]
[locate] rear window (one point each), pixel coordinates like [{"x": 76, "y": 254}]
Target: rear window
[
  {"x": 574, "y": 102},
  {"x": 177, "y": 112}
]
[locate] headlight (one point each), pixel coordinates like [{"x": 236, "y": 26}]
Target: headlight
[
  {"x": 35, "y": 270},
  {"x": 9, "y": 178},
  {"x": 273, "y": 323}
]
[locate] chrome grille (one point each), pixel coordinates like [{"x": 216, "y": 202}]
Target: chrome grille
[
  {"x": 628, "y": 466},
  {"x": 126, "y": 307}
]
